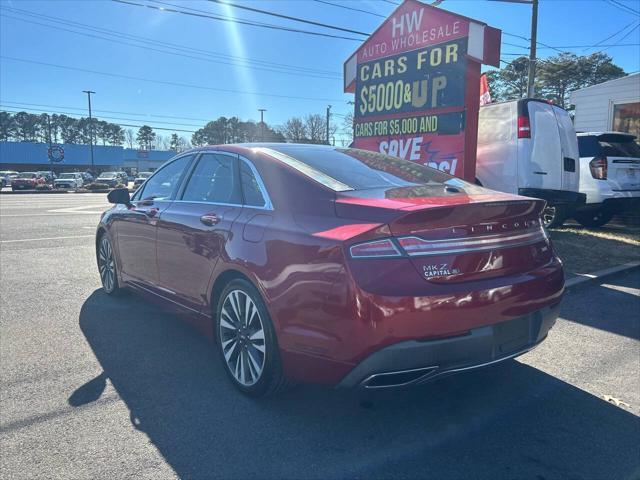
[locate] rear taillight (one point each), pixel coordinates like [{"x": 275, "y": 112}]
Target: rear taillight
[
  {"x": 418, "y": 247},
  {"x": 375, "y": 249},
  {"x": 598, "y": 167},
  {"x": 524, "y": 127},
  {"x": 415, "y": 246}
]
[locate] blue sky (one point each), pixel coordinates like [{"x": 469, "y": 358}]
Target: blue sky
[{"x": 561, "y": 23}]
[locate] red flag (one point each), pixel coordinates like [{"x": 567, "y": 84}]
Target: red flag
[{"x": 485, "y": 96}]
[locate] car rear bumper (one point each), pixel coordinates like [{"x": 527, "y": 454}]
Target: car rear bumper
[
  {"x": 554, "y": 197},
  {"x": 617, "y": 204},
  {"x": 417, "y": 362}
]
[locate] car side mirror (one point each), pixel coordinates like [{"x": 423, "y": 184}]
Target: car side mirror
[{"x": 119, "y": 196}]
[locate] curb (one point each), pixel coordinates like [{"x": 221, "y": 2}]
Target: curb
[
  {"x": 54, "y": 192},
  {"x": 38, "y": 192},
  {"x": 588, "y": 278}
]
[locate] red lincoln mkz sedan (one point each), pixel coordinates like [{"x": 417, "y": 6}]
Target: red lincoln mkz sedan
[{"x": 334, "y": 265}]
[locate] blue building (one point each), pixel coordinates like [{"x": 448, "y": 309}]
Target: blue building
[{"x": 26, "y": 156}]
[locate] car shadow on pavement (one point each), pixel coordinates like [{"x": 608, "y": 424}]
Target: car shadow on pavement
[
  {"x": 623, "y": 306},
  {"x": 511, "y": 421}
]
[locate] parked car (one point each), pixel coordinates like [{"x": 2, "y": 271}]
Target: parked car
[
  {"x": 335, "y": 266},
  {"x": 112, "y": 178},
  {"x": 609, "y": 176},
  {"x": 142, "y": 176},
  {"x": 69, "y": 180},
  {"x": 25, "y": 181},
  {"x": 47, "y": 176},
  {"x": 6, "y": 176},
  {"x": 529, "y": 147}
]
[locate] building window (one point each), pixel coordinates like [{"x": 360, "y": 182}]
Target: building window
[{"x": 626, "y": 118}]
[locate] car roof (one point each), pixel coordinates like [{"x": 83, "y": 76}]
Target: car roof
[{"x": 251, "y": 146}]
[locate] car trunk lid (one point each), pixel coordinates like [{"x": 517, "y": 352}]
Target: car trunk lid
[{"x": 460, "y": 237}]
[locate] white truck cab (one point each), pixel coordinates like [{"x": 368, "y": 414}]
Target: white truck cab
[{"x": 529, "y": 147}]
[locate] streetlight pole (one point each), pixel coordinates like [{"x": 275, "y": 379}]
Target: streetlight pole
[
  {"x": 531, "y": 87},
  {"x": 262, "y": 110},
  {"x": 89, "y": 92}
]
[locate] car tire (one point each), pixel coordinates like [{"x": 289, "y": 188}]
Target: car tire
[
  {"x": 553, "y": 216},
  {"x": 247, "y": 342},
  {"x": 593, "y": 219},
  {"x": 107, "y": 266}
]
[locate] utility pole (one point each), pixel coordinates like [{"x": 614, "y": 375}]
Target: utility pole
[
  {"x": 532, "y": 50},
  {"x": 328, "y": 116},
  {"x": 262, "y": 110},
  {"x": 89, "y": 92},
  {"x": 49, "y": 138}
]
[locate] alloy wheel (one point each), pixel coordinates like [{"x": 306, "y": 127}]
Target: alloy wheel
[
  {"x": 242, "y": 337},
  {"x": 107, "y": 265}
]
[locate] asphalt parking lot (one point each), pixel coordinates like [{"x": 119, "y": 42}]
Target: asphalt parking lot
[{"x": 94, "y": 387}]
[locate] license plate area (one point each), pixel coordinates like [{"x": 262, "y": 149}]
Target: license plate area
[{"x": 512, "y": 336}]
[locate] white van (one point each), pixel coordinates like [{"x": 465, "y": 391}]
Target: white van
[{"x": 529, "y": 147}]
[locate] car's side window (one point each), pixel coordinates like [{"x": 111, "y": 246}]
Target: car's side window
[
  {"x": 214, "y": 179},
  {"x": 253, "y": 196},
  {"x": 164, "y": 183}
]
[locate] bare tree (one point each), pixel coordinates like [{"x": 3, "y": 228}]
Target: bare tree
[
  {"x": 183, "y": 144},
  {"x": 316, "y": 128},
  {"x": 129, "y": 137},
  {"x": 162, "y": 142},
  {"x": 294, "y": 130},
  {"x": 347, "y": 129}
]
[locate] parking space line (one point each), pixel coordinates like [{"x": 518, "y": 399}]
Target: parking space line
[{"x": 44, "y": 238}]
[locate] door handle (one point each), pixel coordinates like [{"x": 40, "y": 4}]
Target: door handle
[
  {"x": 209, "y": 219},
  {"x": 152, "y": 212}
]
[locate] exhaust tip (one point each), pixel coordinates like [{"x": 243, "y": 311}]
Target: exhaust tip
[{"x": 396, "y": 379}]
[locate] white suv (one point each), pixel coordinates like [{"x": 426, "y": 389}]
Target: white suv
[
  {"x": 69, "y": 180},
  {"x": 609, "y": 176}
]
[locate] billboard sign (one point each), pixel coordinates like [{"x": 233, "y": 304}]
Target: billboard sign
[{"x": 415, "y": 82}]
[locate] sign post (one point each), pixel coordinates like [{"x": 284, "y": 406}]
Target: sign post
[
  {"x": 417, "y": 86},
  {"x": 56, "y": 155}
]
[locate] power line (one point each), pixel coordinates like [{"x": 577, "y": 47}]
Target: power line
[
  {"x": 514, "y": 45},
  {"x": 621, "y": 39},
  {"x": 178, "y": 53},
  {"x": 606, "y": 45},
  {"x": 121, "y": 124},
  {"x": 239, "y": 61},
  {"x": 612, "y": 35},
  {"x": 287, "y": 17},
  {"x": 6, "y": 104},
  {"x": 165, "y": 82},
  {"x": 109, "y": 111},
  {"x": 350, "y": 8},
  {"x": 623, "y": 7},
  {"x": 194, "y": 12}
]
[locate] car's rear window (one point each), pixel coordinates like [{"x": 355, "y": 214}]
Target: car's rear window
[
  {"x": 619, "y": 146},
  {"x": 26, "y": 175},
  {"x": 608, "y": 145},
  {"x": 108, "y": 175},
  {"x": 344, "y": 169}
]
